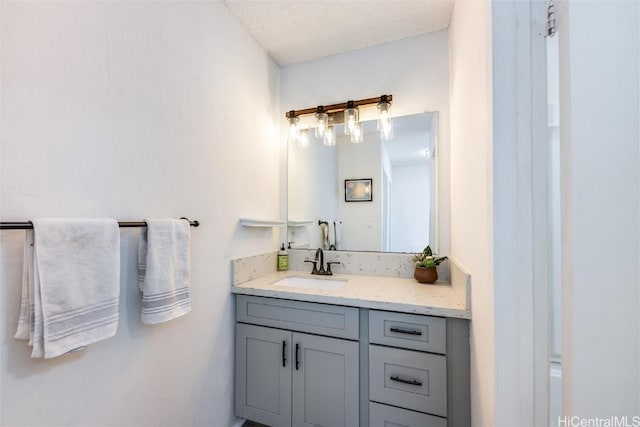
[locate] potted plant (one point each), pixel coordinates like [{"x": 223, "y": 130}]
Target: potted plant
[{"x": 426, "y": 264}]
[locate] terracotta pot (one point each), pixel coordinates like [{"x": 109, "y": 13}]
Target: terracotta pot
[{"x": 425, "y": 274}]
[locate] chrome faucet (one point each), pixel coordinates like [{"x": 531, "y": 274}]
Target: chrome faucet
[{"x": 320, "y": 259}]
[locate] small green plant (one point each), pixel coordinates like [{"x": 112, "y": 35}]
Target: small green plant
[{"x": 426, "y": 259}]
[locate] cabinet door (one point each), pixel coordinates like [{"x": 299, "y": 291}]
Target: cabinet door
[
  {"x": 325, "y": 381},
  {"x": 263, "y": 375}
]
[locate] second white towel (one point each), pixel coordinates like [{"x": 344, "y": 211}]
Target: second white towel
[
  {"x": 337, "y": 233},
  {"x": 163, "y": 270}
]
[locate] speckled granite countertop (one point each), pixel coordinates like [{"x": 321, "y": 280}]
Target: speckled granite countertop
[{"x": 377, "y": 292}]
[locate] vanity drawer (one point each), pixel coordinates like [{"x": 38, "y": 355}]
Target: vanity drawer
[
  {"x": 408, "y": 379},
  {"x": 390, "y": 416},
  {"x": 321, "y": 319},
  {"x": 413, "y": 331}
]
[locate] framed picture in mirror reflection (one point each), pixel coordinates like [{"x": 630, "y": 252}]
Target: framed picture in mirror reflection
[{"x": 358, "y": 190}]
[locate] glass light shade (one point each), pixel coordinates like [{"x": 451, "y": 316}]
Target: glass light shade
[
  {"x": 303, "y": 138},
  {"x": 329, "y": 136},
  {"x": 322, "y": 122},
  {"x": 351, "y": 120},
  {"x": 356, "y": 135},
  {"x": 293, "y": 127},
  {"x": 385, "y": 125},
  {"x": 384, "y": 111}
]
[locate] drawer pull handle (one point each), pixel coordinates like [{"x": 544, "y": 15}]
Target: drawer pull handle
[
  {"x": 405, "y": 331},
  {"x": 284, "y": 354},
  {"x": 297, "y": 357},
  {"x": 402, "y": 380}
]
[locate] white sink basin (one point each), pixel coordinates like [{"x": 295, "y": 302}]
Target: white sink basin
[{"x": 311, "y": 283}]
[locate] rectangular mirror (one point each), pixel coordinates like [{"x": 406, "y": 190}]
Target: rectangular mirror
[{"x": 327, "y": 202}]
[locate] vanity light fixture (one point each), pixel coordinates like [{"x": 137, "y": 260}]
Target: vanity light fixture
[
  {"x": 351, "y": 118},
  {"x": 385, "y": 125},
  {"x": 329, "y": 137},
  {"x": 322, "y": 122},
  {"x": 346, "y": 113}
]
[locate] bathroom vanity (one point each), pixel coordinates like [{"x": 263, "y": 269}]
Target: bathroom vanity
[{"x": 370, "y": 351}]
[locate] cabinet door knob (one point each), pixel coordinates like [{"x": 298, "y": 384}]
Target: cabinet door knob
[{"x": 297, "y": 356}]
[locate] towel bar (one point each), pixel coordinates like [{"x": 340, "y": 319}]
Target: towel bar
[
  {"x": 320, "y": 222},
  {"x": 23, "y": 225}
]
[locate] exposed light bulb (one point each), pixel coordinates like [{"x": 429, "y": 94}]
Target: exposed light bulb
[
  {"x": 329, "y": 136},
  {"x": 322, "y": 121},
  {"x": 350, "y": 125},
  {"x": 293, "y": 127},
  {"x": 351, "y": 118},
  {"x": 385, "y": 125}
]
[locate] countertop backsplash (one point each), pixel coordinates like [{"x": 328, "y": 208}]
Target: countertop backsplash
[
  {"x": 366, "y": 263},
  {"x": 253, "y": 266}
]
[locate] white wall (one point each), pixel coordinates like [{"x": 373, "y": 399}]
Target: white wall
[
  {"x": 361, "y": 221},
  {"x": 133, "y": 110},
  {"x": 415, "y": 71},
  {"x": 471, "y": 188},
  {"x": 404, "y": 237},
  {"x": 599, "y": 110},
  {"x": 312, "y": 186}
]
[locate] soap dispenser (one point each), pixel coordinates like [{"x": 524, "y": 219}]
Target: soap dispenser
[{"x": 283, "y": 259}]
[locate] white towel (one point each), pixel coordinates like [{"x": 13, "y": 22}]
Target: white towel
[
  {"x": 332, "y": 235},
  {"x": 25, "y": 321},
  {"x": 337, "y": 234},
  {"x": 71, "y": 285},
  {"x": 324, "y": 229},
  {"x": 163, "y": 270}
]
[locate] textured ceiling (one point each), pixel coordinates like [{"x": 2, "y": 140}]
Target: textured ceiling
[{"x": 294, "y": 31}]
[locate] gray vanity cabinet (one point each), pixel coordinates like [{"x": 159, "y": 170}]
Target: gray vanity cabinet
[
  {"x": 302, "y": 364},
  {"x": 289, "y": 378}
]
